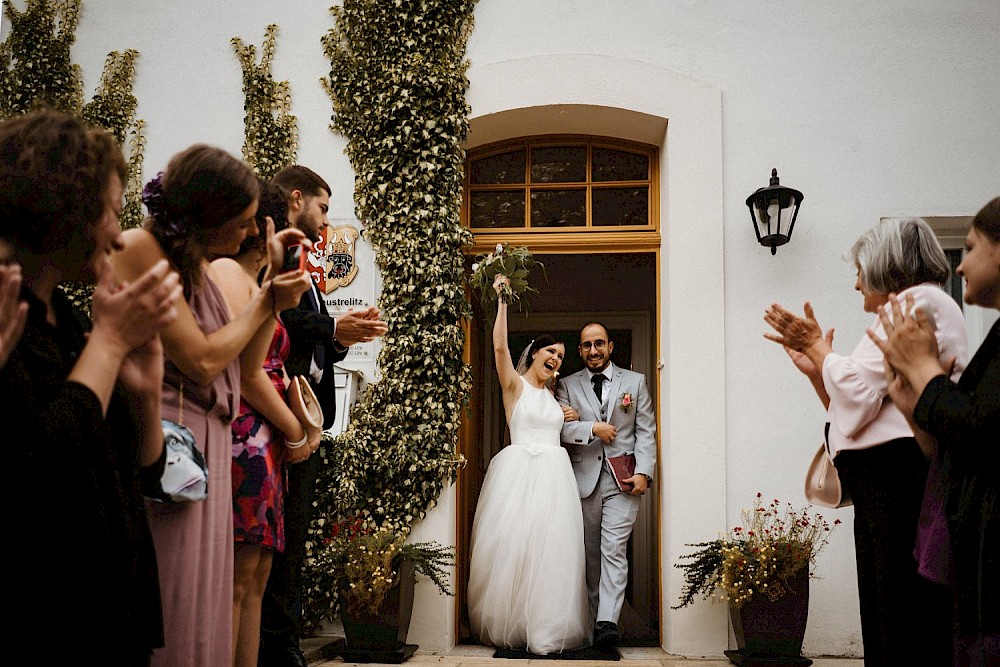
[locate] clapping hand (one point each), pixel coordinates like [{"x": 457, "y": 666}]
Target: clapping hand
[
  {"x": 804, "y": 363},
  {"x": 360, "y": 326},
  {"x": 911, "y": 353},
  {"x": 141, "y": 372},
  {"x": 13, "y": 311},
  {"x": 794, "y": 332},
  {"x": 910, "y": 341},
  {"x": 130, "y": 314}
]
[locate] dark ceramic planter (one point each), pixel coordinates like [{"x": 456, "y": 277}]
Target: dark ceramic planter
[
  {"x": 386, "y": 630},
  {"x": 772, "y": 630}
]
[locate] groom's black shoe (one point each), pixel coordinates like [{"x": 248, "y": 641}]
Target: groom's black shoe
[{"x": 606, "y": 638}]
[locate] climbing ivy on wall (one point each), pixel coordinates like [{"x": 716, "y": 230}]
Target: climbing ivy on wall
[
  {"x": 270, "y": 130},
  {"x": 398, "y": 83},
  {"x": 113, "y": 108},
  {"x": 36, "y": 57},
  {"x": 36, "y": 70}
]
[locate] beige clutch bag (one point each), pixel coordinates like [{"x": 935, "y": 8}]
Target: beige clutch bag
[
  {"x": 822, "y": 482},
  {"x": 305, "y": 406}
]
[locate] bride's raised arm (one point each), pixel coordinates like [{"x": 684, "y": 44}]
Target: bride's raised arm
[{"x": 510, "y": 383}]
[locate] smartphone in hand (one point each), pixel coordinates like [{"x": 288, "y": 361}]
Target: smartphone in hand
[{"x": 295, "y": 258}]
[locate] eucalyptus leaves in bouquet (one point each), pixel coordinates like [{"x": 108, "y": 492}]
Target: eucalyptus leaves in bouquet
[{"x": 515, "y": 263}]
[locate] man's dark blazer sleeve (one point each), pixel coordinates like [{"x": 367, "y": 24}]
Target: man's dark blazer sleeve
[{"x": 307, "y": 329}]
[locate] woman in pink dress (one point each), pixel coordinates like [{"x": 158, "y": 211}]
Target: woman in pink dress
[{"x": 202, "y": 207}]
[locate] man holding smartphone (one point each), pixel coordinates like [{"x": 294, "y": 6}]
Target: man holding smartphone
[{"x": 318, "y": 340}]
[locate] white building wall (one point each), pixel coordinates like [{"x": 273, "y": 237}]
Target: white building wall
[{"x": 870, "y": 109}]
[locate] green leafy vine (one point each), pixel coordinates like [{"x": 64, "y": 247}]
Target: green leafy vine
[
  {"x": 36, "y": 70},
  {"x": 270, "y": 130},
  {"x": 397, "y": 83}
]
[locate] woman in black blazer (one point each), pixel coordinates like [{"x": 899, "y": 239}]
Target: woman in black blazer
[{"x": 965, "y": 420}]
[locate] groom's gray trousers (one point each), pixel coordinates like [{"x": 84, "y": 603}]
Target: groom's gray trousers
[{"x": 608, "y": 517}]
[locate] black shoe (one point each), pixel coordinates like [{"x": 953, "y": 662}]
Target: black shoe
[
  {"x": 285, "y": 656},
  {"x": 607, "y": 637}
]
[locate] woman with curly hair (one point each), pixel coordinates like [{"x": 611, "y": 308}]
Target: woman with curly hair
[
  {"x": 203, "y": 207},
  {"x": 80, "y": 399}
]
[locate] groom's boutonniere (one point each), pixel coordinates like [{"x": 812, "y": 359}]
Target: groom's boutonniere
[{"x": 626, "y": 401}]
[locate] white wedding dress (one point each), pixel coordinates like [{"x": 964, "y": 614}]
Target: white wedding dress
[{"x": 527, "y": 577}]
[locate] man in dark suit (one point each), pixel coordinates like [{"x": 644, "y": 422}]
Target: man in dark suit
[{"x": 318, "y": 340}]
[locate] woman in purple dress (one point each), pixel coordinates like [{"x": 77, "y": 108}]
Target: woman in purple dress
[{"x": 203, "y": 207}]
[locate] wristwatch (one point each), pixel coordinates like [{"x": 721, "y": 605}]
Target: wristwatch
[{"x": 649, "y": 480}]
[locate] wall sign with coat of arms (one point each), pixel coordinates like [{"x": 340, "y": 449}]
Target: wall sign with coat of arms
[{"x": 340, "y": 266}]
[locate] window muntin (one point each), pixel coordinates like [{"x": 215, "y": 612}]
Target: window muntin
[{"x": 561, "y": 184}]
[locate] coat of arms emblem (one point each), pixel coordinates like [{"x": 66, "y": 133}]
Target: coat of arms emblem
[{"x": 341, "y": 266}]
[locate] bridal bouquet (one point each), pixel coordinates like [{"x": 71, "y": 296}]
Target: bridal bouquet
[{"x": 515, "y": 263}]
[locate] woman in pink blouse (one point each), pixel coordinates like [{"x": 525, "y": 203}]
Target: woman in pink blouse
[{"x": 905, "y": 619}]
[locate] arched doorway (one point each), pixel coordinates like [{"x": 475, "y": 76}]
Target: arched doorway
[{"x": 586, "y": 207}]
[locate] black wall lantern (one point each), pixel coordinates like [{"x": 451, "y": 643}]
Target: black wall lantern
[{"x": 773, "y": 211}]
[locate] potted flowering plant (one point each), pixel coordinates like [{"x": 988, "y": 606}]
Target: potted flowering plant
[
  {"x": 761, "y": 569},
  {"x": 374, "y": 571}
]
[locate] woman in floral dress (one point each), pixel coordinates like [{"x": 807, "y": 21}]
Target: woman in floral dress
[{"x": 265, "y": 434}]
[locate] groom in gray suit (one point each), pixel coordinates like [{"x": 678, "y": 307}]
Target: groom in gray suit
[{"x": 616, "y": 417}]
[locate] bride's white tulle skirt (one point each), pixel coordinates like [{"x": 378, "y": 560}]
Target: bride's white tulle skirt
[{"x": 527, "y": 578}]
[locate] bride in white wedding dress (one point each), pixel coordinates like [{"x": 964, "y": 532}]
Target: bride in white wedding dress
[{"x": 527, "y": 577}]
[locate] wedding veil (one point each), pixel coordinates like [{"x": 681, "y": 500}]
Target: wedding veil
[{"x": 523, "y": 363}]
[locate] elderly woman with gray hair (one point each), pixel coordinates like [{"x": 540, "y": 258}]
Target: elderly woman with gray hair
[{"x": 905, "y": 619}]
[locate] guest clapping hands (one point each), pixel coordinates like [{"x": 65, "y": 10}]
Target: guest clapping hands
[
  {"x": 803, "y": 342},
  {"x": 82, "y": 409},
  {"x": 880, "y": 464},
  {"x": 964, "y": 418},
  {"x": 203, "y": 207}
]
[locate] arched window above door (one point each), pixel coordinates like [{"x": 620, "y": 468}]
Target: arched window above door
[{"x": 560, "y": 190}]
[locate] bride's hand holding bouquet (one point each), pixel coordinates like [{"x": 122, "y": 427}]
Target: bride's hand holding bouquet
[
  {"x": 501, "y": 286},
  {"x": 513, "y": 264}
]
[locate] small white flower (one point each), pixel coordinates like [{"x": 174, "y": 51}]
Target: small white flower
[
  {"x": 499, "y": 249},
  {"x": 475, "y": 267}
]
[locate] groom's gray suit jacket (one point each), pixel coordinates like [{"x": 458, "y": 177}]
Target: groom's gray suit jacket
[{"x": 636, "y": 427}]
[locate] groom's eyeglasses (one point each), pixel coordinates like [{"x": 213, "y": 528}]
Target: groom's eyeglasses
[{"x": 597, "y": 345}]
